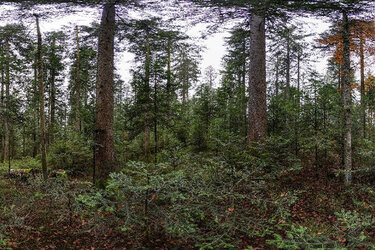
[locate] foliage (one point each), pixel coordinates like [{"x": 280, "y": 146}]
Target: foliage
[{"x": 73, "y": 153}]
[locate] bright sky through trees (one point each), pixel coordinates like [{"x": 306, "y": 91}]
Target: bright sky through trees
[{"x": 213, "y": 44}]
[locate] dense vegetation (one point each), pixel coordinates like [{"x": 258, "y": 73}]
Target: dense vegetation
[{"x": 267, "y": 152}]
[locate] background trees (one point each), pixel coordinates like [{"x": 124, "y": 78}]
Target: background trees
[{"x": 188, "y": 155}]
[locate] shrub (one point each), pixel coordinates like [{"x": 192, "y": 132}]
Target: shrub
[{"x": 73, "y": 154}]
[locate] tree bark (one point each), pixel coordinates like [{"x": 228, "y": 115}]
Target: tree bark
[
  {"x": 147, "y": 95},
  {"x": 287, "y": 76},
  {"x": 104, "y": 152},
  {"x": 35, "y": 103},
  {"x": 52, "y": 96},
  {"x": 277, "y": 84},
  {"x": 257, "y": 106},
  {"x": 298, "y": 78},
  {"x": 78, "y": 85},
  {"x": 2, "y": 105},
  {"x": 7, "y": 100},
  {"x": 169, "y": 76},
  {"x": 347, "y": 101},
  {"x": 243, "y": 92},
  {"x": 41, "y": 103},
  {"x": 363, "y": 101}
]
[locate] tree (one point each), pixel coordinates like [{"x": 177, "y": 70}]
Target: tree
[
  {"x": 78, "y": 84},
  {"x": 55, "y": 48},
  {"x": 257, "y": 106},
  {"x": 41, "y": 102},
  {"x": 234, "y": 80},
  {"x": 361, "y": 32},
  {"x": 104, "y": 151}
]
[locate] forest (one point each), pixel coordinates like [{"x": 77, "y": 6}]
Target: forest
[{"x": 117, "y": 134}]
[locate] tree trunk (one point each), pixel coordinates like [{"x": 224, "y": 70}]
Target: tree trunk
[
  {"x": 185, "y": 87},
  {"x": 296, "y": 125},
  {"x": 363, "y": 101},
  {"x": 287, "y": 76},
  {"x": 298, "y": 79},
  {"x": 257, "y": 106},
  {"x": 52, "y": 96},
  {"x": 147, "y": 95},
  {"x": 35, "y": 103},
  {"x": 2, "y": 105},
  {"x": 78, "y": 85},
  {"x": 169, "y": 77},
  {"x": 7, "y": 99},
  {"x": 104, "y": 152},
  {"x": 277, "y": 84},
  {"x": 155, "y": 122},
  {"x": 41, "y": 103},
  {"x": 243, "y": 92},
  {"x": 347, "y": 101}
]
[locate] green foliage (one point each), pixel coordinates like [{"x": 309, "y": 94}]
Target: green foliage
[
  {"x": 274, "y": 157},
  {"x": 200, "y": 201},
  {"x": 366, "y": 155},
  {"x": 298, "y": 237},
  {"x": 352, "y": 228},
  {"x": 24, "y": 163},
  {"x": 349, "y": 233},
  {"x": 73, "y": 153}
]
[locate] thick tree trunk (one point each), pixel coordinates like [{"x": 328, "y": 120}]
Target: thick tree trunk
[
  {"x": 41, "y": 103},
  {"x": 104, "y": 152},
  {"x": 78, "y": 85},
  {"x": 347, "y": 101},
  {"x": 257, "y": 106},
  {"x": 363, "y": 101}
]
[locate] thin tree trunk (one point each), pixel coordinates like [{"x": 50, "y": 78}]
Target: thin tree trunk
[
  {"x": 41, "y": 102},
  {"x": 243, "y": 92},
  {"x": 155, "y": 122},
  {"x": 104, "y": 152},
  {"x": 363, "y": 101},
  {"x": 185, "y": 87},
  {"x": 287, "y": 76},
  {"x": 257, "y": 106},
  {"x": 169, "y": 77},
  {"x": 3, "y": 106},
  {"x": 347, "y": 101},
  {"x": 298, "y": 79},
  {"x": 7, "y": 100},
  {"x": 148, "y": 104},
  {"x": 78, "y": 84},
  {"x": 53, "y": 96},
  {"x": 296, "y": 126},
  {"x": 35, "y": 103},
  {"x": 277, "y": 84}
]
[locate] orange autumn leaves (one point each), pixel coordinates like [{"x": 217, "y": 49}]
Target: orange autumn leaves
[
  {"x": 360, "y": 33},
  {"x": 370, "y": 83}
]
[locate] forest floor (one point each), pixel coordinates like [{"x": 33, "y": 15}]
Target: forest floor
[{"x": 42, "y": 215}]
